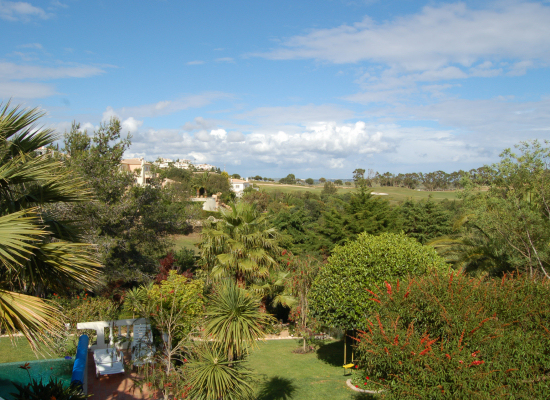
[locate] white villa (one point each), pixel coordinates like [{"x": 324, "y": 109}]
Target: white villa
[
  {"x": 138, "y": 164},
  {"x": 238, "y": 186}
]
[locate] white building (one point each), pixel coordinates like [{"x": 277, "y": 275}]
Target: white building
[
  {"x": 238, "y": 186},
  {"x": 205, "y": 167}
]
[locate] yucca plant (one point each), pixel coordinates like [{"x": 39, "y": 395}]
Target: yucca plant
[
  {"x": 214, "y": 377},
  {"x": 39, "y": 249},
  {"x": 234, "y": 320}
]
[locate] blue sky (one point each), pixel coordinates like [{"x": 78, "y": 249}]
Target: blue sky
[{"x": 314, "y": 88}]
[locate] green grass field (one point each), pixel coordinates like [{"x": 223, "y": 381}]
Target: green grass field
[
  {"x": 395, "y": 194},
  {"x": 186, "y": 242},
  {"x": 18, "y": 351},
  {"x": 281, "y": 374},
  {"x": 284, "y": 375}
]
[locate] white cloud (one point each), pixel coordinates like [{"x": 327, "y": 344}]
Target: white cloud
[
  {"x": 108, "y": 114},
  {"x": 37, "y": 46},
  {"x": 25, "y": 90},
  {"x": 436, "y": 37},
  {"x": 131, "y": 125},
  {"x": 297, "y": 114},
  {"x": 195, "y": 62},
  {"x": 235, "y": 136},
  {"x": 14, "y": 71},
  {"x": 20, "y": 11},
  {"x": 203, "y": 136},
  {"x": 448, "y": 42},
  {"x": 171, "y": 106},
  {"x": 220, "y": 134},
  {"x": 225, "y": 59}
]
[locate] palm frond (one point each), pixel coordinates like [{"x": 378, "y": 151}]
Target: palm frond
[
  {"x": 19, "y": 234},
  {"x": 32, "y": 316}
]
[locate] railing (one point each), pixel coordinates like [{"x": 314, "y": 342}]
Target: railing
[{"x": 99, "y": 327}]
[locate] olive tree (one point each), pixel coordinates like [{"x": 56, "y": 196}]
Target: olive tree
[{"x": 340, "y": 295}]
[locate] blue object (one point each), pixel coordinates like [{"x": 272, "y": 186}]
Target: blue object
[
  {"x": 68, "y": 358},
  {"x": 80, "y": 361}
]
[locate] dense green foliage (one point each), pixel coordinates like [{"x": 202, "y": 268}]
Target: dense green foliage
[
  {"x": 339, "y": 296},
  {"x": 455, "y": 337},
  {"x": 425, "y": 220},
  {"x": 53, "y": 389},
  {"x": 241, "y": 245},
  {"x": 507, "y": 227},
  {"x": 362, "y": 212},
  {"x": 129, "y": 223}
]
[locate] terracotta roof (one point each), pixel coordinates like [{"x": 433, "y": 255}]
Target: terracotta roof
[
  {"x": 238, "y": 181},
  {"x": 133, "y": 161}
]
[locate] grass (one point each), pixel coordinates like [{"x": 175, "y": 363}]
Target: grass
[
  {"x": 395, "y": 194},
  {"x": 19, "y": 350},
  {"x": 186, "y": 242},
  {"x": 284, "y": 375}
]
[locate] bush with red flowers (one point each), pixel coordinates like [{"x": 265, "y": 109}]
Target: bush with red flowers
[{"x": 458, "y": 337}]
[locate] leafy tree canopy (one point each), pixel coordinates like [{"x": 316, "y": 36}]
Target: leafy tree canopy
[{"x": 339, "y": 296}]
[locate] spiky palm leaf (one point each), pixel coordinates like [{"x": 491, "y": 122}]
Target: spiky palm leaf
[
  {"x": 234, "y": 320},
  {"x": 214, "y": 377},
  {"x": 37, "y": 251}
]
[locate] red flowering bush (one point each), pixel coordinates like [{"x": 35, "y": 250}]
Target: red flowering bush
[{"x": 458, "y": 338}]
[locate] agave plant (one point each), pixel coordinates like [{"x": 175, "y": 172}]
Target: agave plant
[{"x": 39, "y": 250}]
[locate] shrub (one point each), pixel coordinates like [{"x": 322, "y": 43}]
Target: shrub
[
  {"x": 458, "y": 338},
  {"x": 339, "y": 298}
]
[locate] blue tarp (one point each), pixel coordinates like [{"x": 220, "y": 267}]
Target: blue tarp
[{"x": 80, "y": 361}]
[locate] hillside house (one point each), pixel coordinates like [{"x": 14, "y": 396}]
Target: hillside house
[
  {"x": 238, "y": 186},
  {"x": 140, "y": 168}
]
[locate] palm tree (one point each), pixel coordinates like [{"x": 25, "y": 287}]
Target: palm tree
[
  {"x": 39, "y": 249},
  {"x": 470, "y": 249},
  {"x": 241, "y": 245}
]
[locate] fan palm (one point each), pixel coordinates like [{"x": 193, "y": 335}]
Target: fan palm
[
  {"x": 39, "y": 250},
  {"x": 241, "y": 245}
]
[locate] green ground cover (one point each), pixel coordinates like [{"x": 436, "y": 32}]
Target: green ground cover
[
  {"x": 186, "y": 242},
  {"x": 284, "y": 375},
  {"x": 395, "y": 194},
  {"x": 17, "y": 351}
]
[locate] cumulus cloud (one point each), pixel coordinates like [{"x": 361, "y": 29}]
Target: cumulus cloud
[
  {"x": 131, "y": 125},
  {"x": 21, "y": 11},
  {"x": 235, "y": 136}
]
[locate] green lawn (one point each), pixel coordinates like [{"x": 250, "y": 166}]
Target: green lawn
[
  {"x": 284, "y": 375},
  {"x": 281, "y": 374},
  {"x": 18, "y": 351},
  {"x": 395, "y": 194},
  {"x": 186, "y": 242}
]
